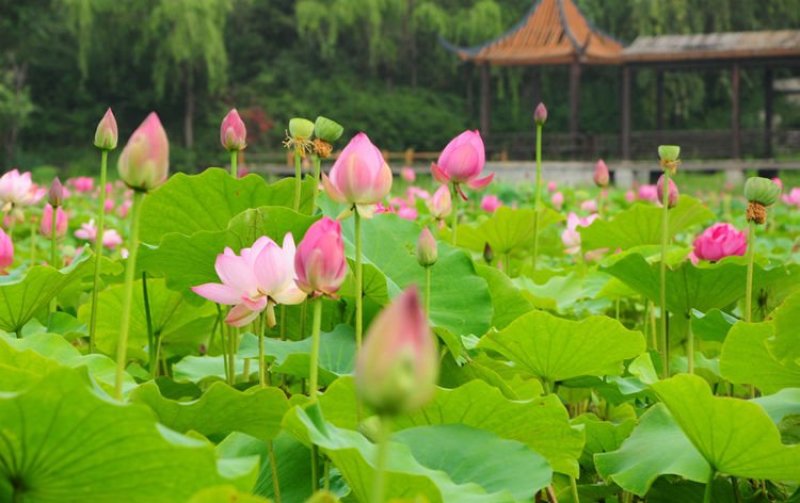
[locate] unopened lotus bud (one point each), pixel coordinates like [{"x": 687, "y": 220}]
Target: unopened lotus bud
[
  {"x": 427, "y": 249},
  {"x": 669, "y": 156},
  {"x": 488, "y": 253},
  {"x": 761, "y": 190},
  {"x": 601, "y": 176},
  {"x": 56, "y": 194},
  {"x": 540, "y": 114},
  {"x": 144, "y": 162},
  {"x": 398, "y": 365},
  {"x": 327, "y": 129},
  {"x": 672, "y": 197},
  {"x": 106, "y": 135},
  {"x": 301, "y": 129},
  {"x": 232, "y": 132}
]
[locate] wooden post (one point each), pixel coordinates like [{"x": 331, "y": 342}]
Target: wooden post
[
  {"x": 485, "y": 100},
  {"x": 736, "y": 147},
  {"x": 659, "y": 99},
  {"x": 574, "y": 101},
  {"x": 625, "y": 126},
  {"x": 768, "y": 94}
]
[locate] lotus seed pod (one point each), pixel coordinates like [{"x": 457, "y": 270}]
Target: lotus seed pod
[
  {"x": 761, "y": 190},
  {"x": 300, "y": 128},
  {"x": 669, "y": 153},
  {"x": 327, "y": 130}
]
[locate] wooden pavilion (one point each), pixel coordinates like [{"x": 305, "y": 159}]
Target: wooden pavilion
[{"x": 554, "y": 32}]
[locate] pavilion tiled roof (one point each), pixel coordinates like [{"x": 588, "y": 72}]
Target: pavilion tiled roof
[
  {"x": 715, "y": 46},
  {"x": 553, "y": 32}
]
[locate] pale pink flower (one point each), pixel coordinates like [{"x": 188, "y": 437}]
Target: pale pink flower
[
  {"x": 589, "y": 206},
  {"x": 571, "y": 237},
  {"x": 557, "y": 200},
  {"x": 408, "y": 174},
  {"x": 360, "y": 175},
  {"x": 17, "y": 189}
]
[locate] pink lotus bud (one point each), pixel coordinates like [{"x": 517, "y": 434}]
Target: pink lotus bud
[
  {"x": 720, "y": 241},
  {"x": 490, "y": 203},
  {"x": 108, "y": 206},
  {"x": 557, "y": 200},
  {"x": 462, "y": 161},
  {"x": 408, "y": 174},
  {"x": 427, "y": 249},
  {"x": 82, "y": 184},
  {"x": 648, "y": 193},
  {"x": 360, "y": 174},
  {"x": 46, "y": 227},
  {"x": 672, "y": 198},
  {"x": 551, "y": 186},
  {"x": 441, "y": 204},
  {"x": 106, "y": 135},
  {"x": 540, "y": 114},
  {"x": 144, "y": 162},
  {"x": 589, "y": 206},
  {"x": 630, "y": 196},
  {"x": 6, "y": 251},
  {"x": 398, "y": 366},
  {"x": 601, "y": 176},
  {"x": 232, "y": 132},
  {"x": 319, "y": 262},
  {"x": 56, "y": 194}
]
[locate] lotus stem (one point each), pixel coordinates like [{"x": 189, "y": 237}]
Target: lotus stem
[
  {"x": 359, "y": 283},
  {"x": 234, "y": 162},
  {"x": 454, "y": 215},
  {"x": 751, "y": 254},
  {"x": 298, "y": 179},
  {"x": 317, "y": 172},
  {"x": 273, "y": 463},
  {"x": 151, "y": 340},
  {"x": 538, "y": 199},
  {"x": 381, "y": 457},
  {"x": 663, "y": 277},
  {"x": 98, "y": 247},
  {"x": 313, "y": 370},
  {"x": 428, "y": 291}
]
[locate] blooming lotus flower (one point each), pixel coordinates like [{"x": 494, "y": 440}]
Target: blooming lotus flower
[
  {"x": 571, "y": 237},
  {"x": 320, "y": 263},
  {"x": 648, "y": 193},
  {"x": 360, "y": 175},
  {"x": 630, "y": 196},
  {"x": 17, "y": 189},
  {"x": 557, "y": 200},
  {"x": 589, "y": 206},
  {"x": 672, "y": 197},
  {"x": 462, "y": 161},
  {"x": 407, "y": 212},
  {"x": 441, "y": 204},
  {"x": 490, "y": 203},
  {"x": 112, "y": 239},
  {"x": 144, "y": 162},
  {"x": 777, "y": 181},
  {"x": 82, "y": 184},
  {"x": 256, "y": 279},
  {"x": 415, "y": 192},
  {"x": 88, "y": 232},
  {"x": 398, "y": 365},
  {"x": 232, "y": 132},
  {"x": 601, "y": 176},
  {"x": 408, "y": 174},
  {"x": 793, "y": 197},
  {"x": 719, "y": 241},
  {"x": 46, "y": 227},
  {"x": 6, "y": 251},
  {"x": 106, "y": 135}
]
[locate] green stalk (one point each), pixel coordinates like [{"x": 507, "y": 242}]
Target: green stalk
[
  {"x": 151, "y": 340},
  {"x": 98, "y": 246},
  {"x": 663, "y": 284},
  {"x": 54, "y": 239},
  {"x": 232, "y": 343},
  {"x": 573, "y": 484},
  {"x": 538, "y": 201},
  {"x": 428, "y": 291},
  {"x": 130, "y": 270},
  {"x": 751, "y": 254},
  {"x": 454, "y": 214},
  {"x": 33, "y": 242},
  {"x": 298, "y": 179},
  {"x": 359, "y": 284},
  {"x": 709, "y": 492},
  {"x": 262, "y": 380},
  {"x": 314, "y": 365},
  {"x": 690, "y": 346},
  {"x": 273, "y": 463},
  {"x": 234, "y": 162},
  {"x": 381, "y": 456},
  {"x": 317, "y": 171}
]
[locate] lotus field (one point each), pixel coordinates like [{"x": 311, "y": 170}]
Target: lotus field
[{"x": 342, "y": 335}]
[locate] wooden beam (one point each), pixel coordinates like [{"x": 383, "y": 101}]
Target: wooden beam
[
  {"x": 768, "y": 96},
  {"x": 736, "y": 145},
  {"x": 660, "y": 99},
  {"x": 625, "y": 126},
  {"x": 485, "y": 100},
  {"x": 574, "y": 99}
]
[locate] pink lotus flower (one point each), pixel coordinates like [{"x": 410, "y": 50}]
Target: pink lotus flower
[
  {"x": 112, "y": 239},
  {"x": 589, "y": 206},
  {"x": 6, "y": 252},
  {"x": 601, "y": 176},
  {"x": 462, "y": 161},
  {"x": 793, "y": 197},
  {"x": 144, "y": 162},
  {"x": 407, "y": 212},
  {"x": 777, "y": 181},
  {"x": 88, "y": 232},
  {"x": 557, "y": 200},
  {"x": 108, "y": 206},
  {"x": 46, "y": 226},
  {"x": 672, "y": 197},
  {"x": 441, "y": 204},
  {"x": 398, "y": 365},
  {"x": 408, "y": 174},
  {"x": 551, "y": 186},
  {"x": 630, "y": 196},
  {"x": 719, "y": 241},
  {"x": 360, "y": 175},
  {"x": 232, "y": 132},
  {"x": 490, "y": 203},
  {"x": 17, "y": 189},
  {"x": 124, "y": 208},
  {"x": 320, "y": 263},
  {"x": 415, "y": 192},
  {"x": 256, "y": 279},
  {"x": 648, "y": 193},
  {"x": 82, "y": 184},
  {"x": 571, "y": 237},
  {"x": 106, "y": 134}
]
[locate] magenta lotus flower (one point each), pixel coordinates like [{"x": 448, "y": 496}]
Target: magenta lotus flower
[
  {"x": 320, "y": 263},
  {"x": 46, "y": 227},
  {"x": 106, "y": 135},
  {"x": 462, "y": 161},
  {"x": 398, "y": 365},
  {"x": 360, "y": 175},
  {"x": 672, "y": 197},
  {"x": 719, "y": 241},
  {"x": 82, "y": 184},
  {"x": 6, "y": 251},
  {"x": 552, "y": 186},
  {"x": 232, "y": 132},
  {"x": 557, "y": 200},
  {"x": 17, "y": 189},
  {"x": 793, "y": 197},
  {"x": 408, "y": 174},
  {"x": 648, "y": 193},
  {"x": 254, "y": 280},
  {"x": 571, "y": 237},
  {"x": 144, "y": 162},
  {"x": 601, "y": 176},
  {"x": 490, "y": 203},
  {"x": 441, "y": 203},
  {"x": 630, "y": 196}
]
